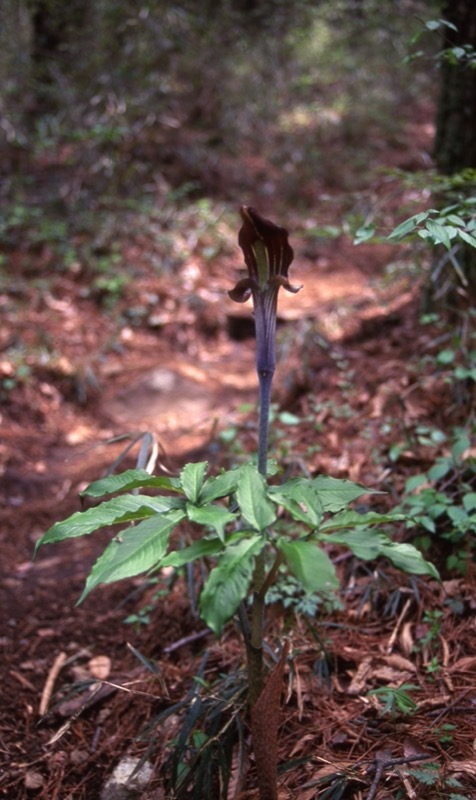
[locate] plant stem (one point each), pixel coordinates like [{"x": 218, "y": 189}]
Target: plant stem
[
  {"x": 255, "y": 644},
  {"x": 265, "y": 383}
]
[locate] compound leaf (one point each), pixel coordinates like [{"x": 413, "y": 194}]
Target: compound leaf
[{"x": 111, "y": 512}]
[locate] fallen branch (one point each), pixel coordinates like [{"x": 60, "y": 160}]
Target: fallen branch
[{"x": 381, "y": 764}]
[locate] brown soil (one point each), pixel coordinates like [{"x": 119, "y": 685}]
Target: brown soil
[{"x": 350, "y": 346}]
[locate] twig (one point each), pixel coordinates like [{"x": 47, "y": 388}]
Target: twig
[
  {"x": 382, "y": 764},
  {"x": 67, "y": 725},
  {"x": 186, "y": 640},
  {"x": 50, "y": 682},
  {"x": 394, "y": 634}
]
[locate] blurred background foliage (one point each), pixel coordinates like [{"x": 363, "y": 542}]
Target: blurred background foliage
[
  {"x": 191, "y": 88},
  {"x": 135, "y": 107}
]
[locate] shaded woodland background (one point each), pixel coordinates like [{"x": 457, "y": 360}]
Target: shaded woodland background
[{"x": 130, "y": 133}]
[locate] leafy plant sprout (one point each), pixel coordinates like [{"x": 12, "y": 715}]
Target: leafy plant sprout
[{"x": 243, "y": 522}]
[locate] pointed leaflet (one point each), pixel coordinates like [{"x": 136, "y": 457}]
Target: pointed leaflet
[
  {"x": 191, "y": 479},
  {"x": 440, "y": 234},
  {"x": 409, "y": 225},
  {"x": 203, "y": 547},
  {"x": 300, "y": 498},
  {"x": 407, "y": 558},
  {"x": 228, "y": 583},
  {"x": 137, "y": 550},
  {"x": 466, "y": 237},
  {"x": 211, "y": 516},
  {"x": 251, "y": 496},
  {"x": 111, "y": 512},
  {"x": 128, "y": 480},
  {"x": 336, "y": 494},
  {"x": 310, "y": 565},
  {"x": 354, "y": 520},
  {"x": 370, "y": 545},
  {"x": 223, "y": 485},
  {"x": 364, "y": 544}
]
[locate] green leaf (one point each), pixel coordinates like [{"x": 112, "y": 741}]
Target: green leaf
[
  {"x": 407, "y": 558},
  {"x": 324, "y": 232},
  {"x": 445, "y": 357},
  {"x": 136, "y": 550},
  {"x": 455, "y": 219},
  {"x": 469, "y": 501},
  {"x": 286, "y": 418},
  {"x": 223, "y": 485},
  {"x": 300, "y": 498},
  {"x": 199, "y": 549},
  {"x": 352, "y": 519},
  {"x": 426, "y": 522},
  {"x": 191, "y": 479},
  {"x": 415, "y": 482},
  {"x": 408, "y": 225},
  {"x": 440, "y": 468},
  {"x": 111, "y": 512},
  {"x": 440, "y": 234},
  {"x": 128, "y": 480},
  {"x": 462, "y": 373},
  {"x": 364, "y": 234},
  {"x": 433, "y": 24},
  {"x": 364, "y": 544},
  {"x": 460, "y": 446},
  {"x": 310, "y": 565},
  {"x": 466, "y": 237},
  {"x": 211, "y": 516},
  {"x": 458, "y": 516},
  {"x": 228, "y": 583},
  {"x": 369, "y": 545},
  {"x": 251, "y": 496},
  {"x": 336, "y": 494}
]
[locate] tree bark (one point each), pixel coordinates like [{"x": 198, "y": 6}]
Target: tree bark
[
  {"x": 15, "y": 69},
  {"x": 455, "y": 145},
  {"x": 455, "y": 142}
]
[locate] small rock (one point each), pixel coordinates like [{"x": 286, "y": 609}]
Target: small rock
[{"x": 119, "y": 787}]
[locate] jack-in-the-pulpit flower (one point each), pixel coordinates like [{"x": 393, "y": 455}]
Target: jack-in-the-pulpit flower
[{"x": 268, "y": 256}]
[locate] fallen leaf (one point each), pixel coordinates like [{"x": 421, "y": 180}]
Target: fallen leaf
[
  {"x": 100, "y": 667},
  {"x": 358, "y": 683},
  {"x": 463, "y": 766},
  {"x": 33, "y": 780},
  {"x": 465, "y": 664}
]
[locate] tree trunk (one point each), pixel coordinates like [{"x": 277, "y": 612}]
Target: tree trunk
[
  {"x": 15, "y": 69},
  {"x": 455, "y": 146},
  {"x": 455, "y": 142}
]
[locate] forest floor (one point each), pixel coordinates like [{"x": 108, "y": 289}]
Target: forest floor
[{"x": 357, "y": 395}]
